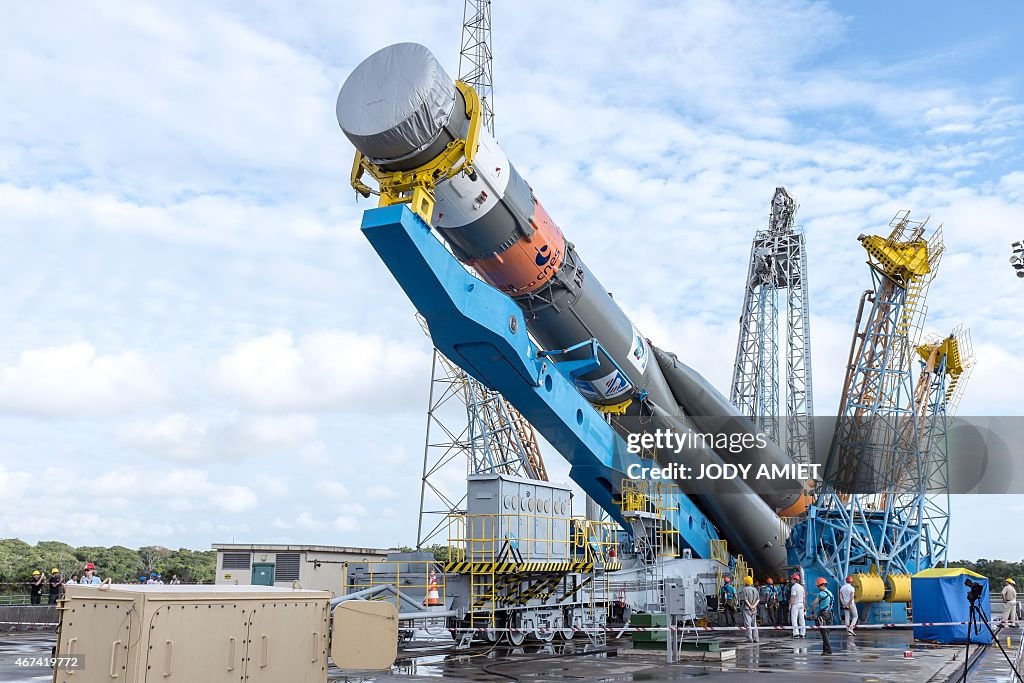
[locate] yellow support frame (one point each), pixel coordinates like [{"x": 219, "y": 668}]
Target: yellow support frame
[{"x": 416, "y": 186}]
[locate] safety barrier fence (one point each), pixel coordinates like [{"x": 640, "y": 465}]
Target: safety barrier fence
[{"x": 683, "y": 629}]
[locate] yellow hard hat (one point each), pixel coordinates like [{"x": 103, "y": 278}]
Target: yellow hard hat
[
  {"x": 748, "y": 580},
  {"x": 36, "y": 573},
  {"x": 55, "y": 571}
]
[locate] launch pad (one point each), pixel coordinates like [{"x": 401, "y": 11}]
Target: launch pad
[{"x": 877, "y": 656}]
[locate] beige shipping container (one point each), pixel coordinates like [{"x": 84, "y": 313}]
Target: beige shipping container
[{"x": 132, "y": 634}]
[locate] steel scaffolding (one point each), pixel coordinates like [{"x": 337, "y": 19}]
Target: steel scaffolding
[
  {"x": 882, "y": 509},
  {"x": 465, "y": 419},
  {"x": 476, "y": 61},
  {"x": 470, "y": 430},
  {"x": 778, "y": 261}
]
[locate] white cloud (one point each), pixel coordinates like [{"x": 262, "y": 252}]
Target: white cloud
[
  {"x": 234, "y": 498},
  {"x": 146, "y": 504},
  {"x": 322, "y": 371},
  {"x": 353, "y": 509},
  {"x": 75, "y": 381},
  {"x": 13, "y": 483},
  {"x": 184, "y": 437},
  {"x": 314, "y": 454},
  {"x": 211, "y": 220},
  {"x": 334, "y": 489},
  {"x": 272, "y": 486},
  {"x": 381, "y": 491},
  {"x": 177, "y": 436},
  {"x": 307, "y": 521},
  {"x": 343, "y": 523}
]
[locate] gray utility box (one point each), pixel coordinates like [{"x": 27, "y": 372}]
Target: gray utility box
[
  {"x": 680, "y": 600},
  {"x": 193, "y": 634},
  {"x": 512, "y": 519}
]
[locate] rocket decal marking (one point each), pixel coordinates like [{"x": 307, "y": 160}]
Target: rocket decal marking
[
  {"x": 610, "y": 386},
  {"x": 587, "y": 389},
  {"x": 615, "y": 385},
  {"x": 639, "y": 353},
  {"x": 543, "y": 255}
]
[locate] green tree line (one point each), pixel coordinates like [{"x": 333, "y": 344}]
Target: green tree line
[
  {"x": 996, "y": 571},
  {"x": 18, "y": 559}
]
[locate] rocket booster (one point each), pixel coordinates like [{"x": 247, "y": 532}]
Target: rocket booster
[{"x": 401, "y": 110}]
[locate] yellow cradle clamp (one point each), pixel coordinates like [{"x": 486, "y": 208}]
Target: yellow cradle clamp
[
  {"x": 416, "y": 186},
  {"x": 615, "y": 408},
  {"x": 902, "y": 261}
]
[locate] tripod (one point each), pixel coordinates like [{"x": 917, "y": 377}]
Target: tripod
[{"x": 973, "y": 627}]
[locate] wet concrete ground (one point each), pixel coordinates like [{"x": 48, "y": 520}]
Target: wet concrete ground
[{"x": 869, "y": 657}]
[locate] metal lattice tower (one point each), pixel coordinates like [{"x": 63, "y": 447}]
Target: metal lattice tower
[
  {"x": 470, "y": 430},
  {"x": 946, "y": 363},
  {"x": 778, "y": 261},
  {"x": 465, "y": 419},
  {"x": 1017, "y": 258},
  {"x": 875, "y": 513},
  {"x": 876, "y": 436},
  {"x": 476, "y": 61}
]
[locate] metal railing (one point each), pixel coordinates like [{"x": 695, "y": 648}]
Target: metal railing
[
  {"x": 529, "y": 537},
  {"x": 410, "y": 578},
  {"x": 17, "y": 599}
]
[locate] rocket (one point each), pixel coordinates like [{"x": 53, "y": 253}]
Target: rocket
[{"x": 401, "y": 110}]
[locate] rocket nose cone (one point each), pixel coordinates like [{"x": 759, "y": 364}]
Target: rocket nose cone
[{"x": 396, "y": 102}]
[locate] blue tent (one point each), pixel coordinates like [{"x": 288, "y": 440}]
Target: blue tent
[{"x": 939, "y": 595}]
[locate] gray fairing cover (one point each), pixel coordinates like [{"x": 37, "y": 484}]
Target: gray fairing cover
[{"x": 396, "y": 102}]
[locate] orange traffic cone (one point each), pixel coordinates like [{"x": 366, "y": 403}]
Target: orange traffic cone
[{"x": 433, "y": 599}]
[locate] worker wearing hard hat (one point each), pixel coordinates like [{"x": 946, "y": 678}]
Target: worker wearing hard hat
[
  {"x": 728, "y": 597},
  {"x": 36, "y": 587},
  {"x": 783, "y": 590},
  {"x": 770, "y": 595},
  {"x": 797, "y": 606},
  {"x": 822, "y": 606},
  {"x": 847, "y": 595},
  {"x": 56, "y": 585},
  {"x": 89, "y": 577},
  {"x": 749, "y": 600},
  {"x": 1010, "y": 603}
]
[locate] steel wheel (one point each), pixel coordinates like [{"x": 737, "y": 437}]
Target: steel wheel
[{"x": 544, "y": 636}]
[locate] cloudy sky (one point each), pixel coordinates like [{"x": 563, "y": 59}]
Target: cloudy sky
[{"x": 199, "y": 346}]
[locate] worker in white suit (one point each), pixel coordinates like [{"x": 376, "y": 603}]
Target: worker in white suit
[
  {"x": 797, "y": 607},
  {"x": 847, "y": 600},
  {"x": 1009, "y": 596}
]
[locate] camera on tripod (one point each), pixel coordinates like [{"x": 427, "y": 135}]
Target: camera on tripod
[{"x": 976, "y": 589}]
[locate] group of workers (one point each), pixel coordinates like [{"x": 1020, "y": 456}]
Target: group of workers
[
  {"x": 55, "y": 583},
  {"x": 771, "y": 601}
]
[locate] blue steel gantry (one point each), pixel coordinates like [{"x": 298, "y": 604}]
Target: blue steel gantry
[{"x": 876, "y": 514}]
